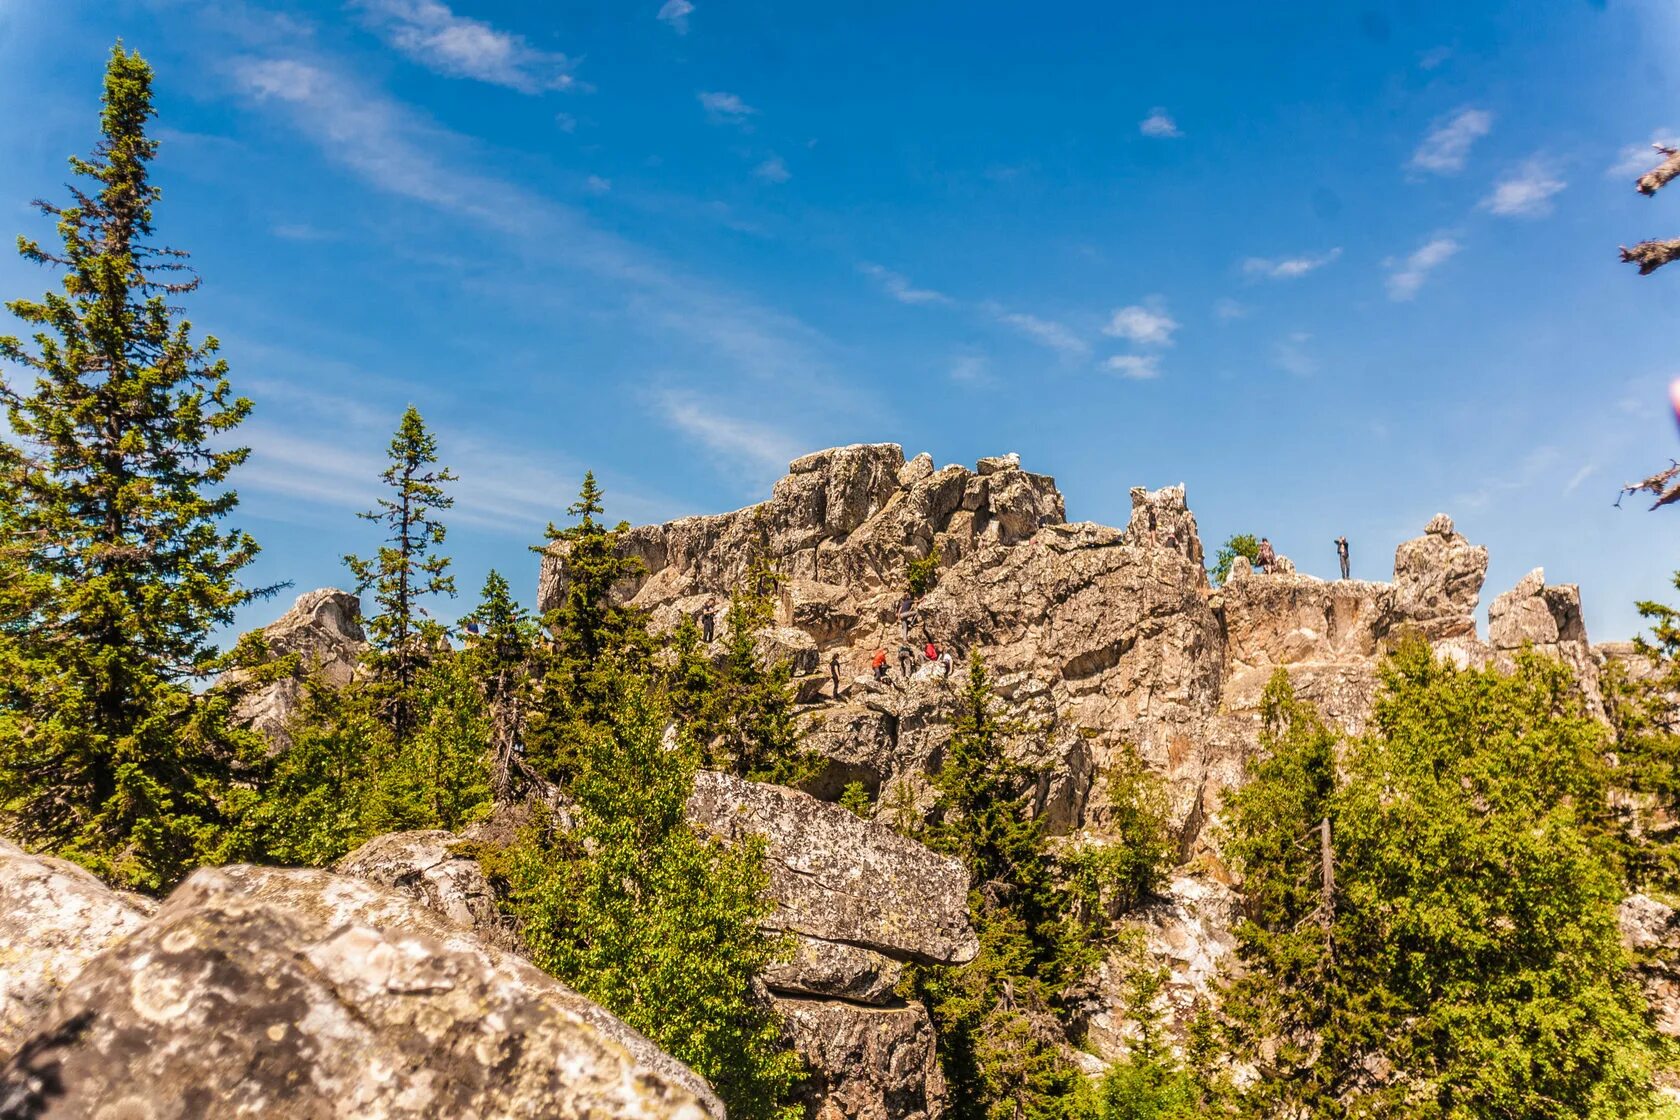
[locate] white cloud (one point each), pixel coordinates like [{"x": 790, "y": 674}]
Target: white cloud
[
  {"x": 1228, "y": 309},
  {"x": 899, "y": 287},
  {"x": 763, "y": 449},
  {"x": 1144, "y": 325},
  {"x": 970, "y": 369},
  {"x": 1409, "y": 274},
  {"x": 1447, "y": 147},
  {"x": 1291, "y": 355},
  {"x": 1525, "y": 192},
  {"x": 428, "y": 32},
  {"x": 725, "y": 108},
  {"x": 1137, "y": 367},
  {"x": 773, "y": 170},
  {"x": 675, "y": 13},
  {"x": 566, "y": 122},
  {"x": 1045, "y": 332},
  {"x": 1636, "y": 159},
  {"x": 1288, "y": 268},
  {"x": 1579, "y": 477},
  {"x": 1434, "y": 58},
  {"x": 597, "y": 185},
  {"x": 1159, "y": 125}
]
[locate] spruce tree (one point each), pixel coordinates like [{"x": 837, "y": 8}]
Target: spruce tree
[
  {"x": 592, "y": 635},
  {"x": 111, "y": 503},
  {"x": 405, "y": 571},
  {"x": 501, "y": 641}
]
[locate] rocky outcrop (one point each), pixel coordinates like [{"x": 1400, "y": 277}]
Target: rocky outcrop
[
  {"x": 323, "y": 630},
  {"x": 54, "y": 918},
  {"x": 259, "y": 991},
  {"x": 1651, "y": 933},
  {"x": 861, "y": 901},
  {"x": 422, "y": 866},
  {"x": 867, "y": 1063},
  {"x": 837, "y": 877}
]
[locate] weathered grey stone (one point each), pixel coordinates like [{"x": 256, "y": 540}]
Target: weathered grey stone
[
  {"x": 1438, "y": 582},
  {"x": 836, "y": 970},
  {"x": 263, "y": 992},
  {"x": 838, "y": 877},
  {"x": 1651, "y": 932},
  {"x": 323, "y": 628},
  {"x": 54, "y": 918},
  {"x": 867, "y": 1063},
  {"x": 421, "y": 866},
  {"x": 997, "y": 464}
]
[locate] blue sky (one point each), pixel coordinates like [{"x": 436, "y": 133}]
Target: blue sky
[{"x": 1335, "y": 267}]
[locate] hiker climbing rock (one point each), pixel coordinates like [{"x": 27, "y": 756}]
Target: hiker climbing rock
[
  {"x": 931, "y": 652},
  {"x": 878, "y": 664},
  {"x": 1342, "y": 554},
  {"x": 708, "y": 618},
  {"x": 1266, "y": 559},
  {"x": 945, "y": 663},
  {"x": 906, "y": 661},
  {"x": 834, "y": 672},
  {"x": 906, "y": 615}
]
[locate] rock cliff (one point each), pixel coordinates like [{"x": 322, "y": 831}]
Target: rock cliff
[{"x": 1100, "y": 636}]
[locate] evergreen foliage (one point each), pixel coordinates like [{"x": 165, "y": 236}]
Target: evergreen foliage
[
  {"x": 118, "y": 571},
  {"x": 1001, "y": 1043},
  {"x": 592, "y": 637},
  {"x": 405, "y": 571},
  {"x": 502, "y": 641},
  {"x": 1470, "y": 965},
  {"x": 656, "y": 924},
  {"x": 1246, "y": 545},
  {"x": 922, "y": 574}
]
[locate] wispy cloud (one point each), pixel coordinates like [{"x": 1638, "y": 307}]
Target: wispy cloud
[
  {"x": 1409, "y": 273},
  {"x": 1579, "y": 477},
  {"x": 1526, "y": 192},
  {"x": 1434, "y": 58},
  {"x": 1288, "y": 268},
  {"x": 1159, "y": 125},
  {"x": 773, "y": 170},
  {"x": 432, "y": 35},
  {"x": 1147, "y": 326},
  {"x": 971, "y": 369},
  {"x": 899, "y": 286},
  {"x": 1447, "y": 147},
  {"x": 1228, "y": 309},
  {"x": 1636, "y": 159},
  {"x": 762, "y": 449},
  {"x": 1135, "y": 367},
  {"x": 1045, "y": 332},
  {"x": 1291, "y": 356},
  {"x": 674, "y": 14},
  {"x": 725, "y": 108},
  {"x": 595, "y": 184}
]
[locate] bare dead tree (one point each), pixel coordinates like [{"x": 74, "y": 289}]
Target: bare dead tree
[
  {"x": 1652, "y": 255},
  {"x": 1665, "y": 484}
]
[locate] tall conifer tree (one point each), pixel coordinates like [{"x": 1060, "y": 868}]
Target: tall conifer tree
[
  {"x": 406, "y": 569},
  {"x": 111, "y": 501}
]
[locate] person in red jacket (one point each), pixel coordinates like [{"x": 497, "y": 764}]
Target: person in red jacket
[{"x": 931, "y": 651}]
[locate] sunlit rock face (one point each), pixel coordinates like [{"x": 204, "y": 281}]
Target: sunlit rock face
[{"x": 1098, "y": 638}]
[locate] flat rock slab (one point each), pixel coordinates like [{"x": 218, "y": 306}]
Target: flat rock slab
[
  {"x": 838, "y": 877},
  {"x": 287, "y": 993}
]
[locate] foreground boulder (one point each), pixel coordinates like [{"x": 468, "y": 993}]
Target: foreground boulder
[
  {"x": 297, "y": 993},
  {"x": 54, "y": 918},
  {"x": 867, "y": 1063},
  {"x": 423, "y": 866}
]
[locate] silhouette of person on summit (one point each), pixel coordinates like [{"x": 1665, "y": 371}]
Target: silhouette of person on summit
[{"x": 1342, "y": 554}]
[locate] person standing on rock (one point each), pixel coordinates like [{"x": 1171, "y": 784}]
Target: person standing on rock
[
  {"x": 906, "y": 612},
  {"x": 1342, "y": 554},
  {"x": 834, "y": 672},
  {"x": 906, "y": 661},
  {"x": 945, "y": 663},
  {"x": 878, "y": 664},
  {"x": 1265, "y": 559},
  {"x": 708, "y": 618}
]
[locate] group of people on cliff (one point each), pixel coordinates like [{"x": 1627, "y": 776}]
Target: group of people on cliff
[
  {"x": 1265, "y": 558},
  {"x": 909, "y": 660}
]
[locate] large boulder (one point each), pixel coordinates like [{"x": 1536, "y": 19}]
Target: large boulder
[
  {"x": 1438, "y": 582},
  {"x": 54, "y": 918},
  {"x": 837, "y": 877},
  {"x": 1651, "y": 933},
  {"x": 867, "y": 1063},
  {"x": 423, "y": 866},
  {"x": 267, "y": 992},
  {"x": 324, "y": 630}
]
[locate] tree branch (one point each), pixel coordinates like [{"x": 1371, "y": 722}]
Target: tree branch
[
  {"x": 1658, "y": 177},
  {"x": 1662, "y": 484},
  {"x": 1651, "y": 255}
]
